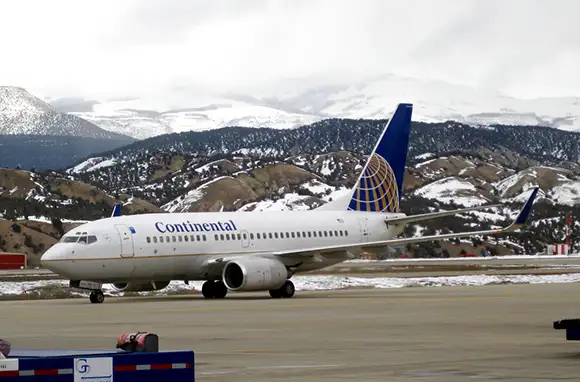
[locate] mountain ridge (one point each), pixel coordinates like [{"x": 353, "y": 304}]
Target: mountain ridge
[
  {"x": 21, "y": 113},
  {"x": 180, "y": 110}
]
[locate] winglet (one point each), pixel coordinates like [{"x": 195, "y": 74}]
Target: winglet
[
  {"x": 525, "y": 211},
  {"x": 116, "y": 210}
]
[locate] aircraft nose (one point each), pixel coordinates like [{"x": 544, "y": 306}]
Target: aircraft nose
[{"x": 49, "y": 259}]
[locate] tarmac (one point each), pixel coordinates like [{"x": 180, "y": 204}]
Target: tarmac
[{"x": 490, "y": 333}]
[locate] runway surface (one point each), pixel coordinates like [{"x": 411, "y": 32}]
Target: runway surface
[{"x": 500, "y": 332}]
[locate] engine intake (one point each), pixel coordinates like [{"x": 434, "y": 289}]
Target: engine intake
[
  {"x": 140, "y": 286},
  {"x": 255, "y": 274}
]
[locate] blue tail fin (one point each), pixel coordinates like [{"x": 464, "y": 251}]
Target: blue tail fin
[
  {"x": 380, "y": 184},
  {"x": 116, "y": 210}
]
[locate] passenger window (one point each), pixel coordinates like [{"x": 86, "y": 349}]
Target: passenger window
[
  {"x": 192, "y": 238},
  {"x": 325, "y": 233},
  {"x": 275, "y": 235},
  {"x": 335, "y": 233},
  {"x": 258, "y": 235},
  {"x": 288, "y": 235},
  {"x": 167, "y": 239},
  {"x": 174, "y": 239},
  {"x": 345, "y": 233},
  {"x": 340, "y": 232},
  {"x": 161, "y": 239},
  {"x": 293, "y": 235},
  {"x": 314, "y": 233},
  {"x": 309, "y": 234},
  {"x": 204, "y": 238},
  {"x": 155, "y": 239},
  {"x": 270, "y": 235},
  {"x": 240, "y": 238},
  {"x": 251, "y": 236},
  {"x": 320, "y": 233},
  {"x": 228, "y": 236},
  {"x": 216, "y": 237},
  {"x": 198, "y": 237},
  {"x": 148, "y": 239},
  {"x": 180, "y": 239},
  {"x": 330, "y": 233},
  {"x": 186, "y": 238},
  {"x": 222, "y": 237}
]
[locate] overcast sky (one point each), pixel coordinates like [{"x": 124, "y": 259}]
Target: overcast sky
[{"x": 104, "y": 48}]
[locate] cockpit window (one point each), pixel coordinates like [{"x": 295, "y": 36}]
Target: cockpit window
[
  {"x": 81, "y": 239},
  {"x": 69, "y": 239}
]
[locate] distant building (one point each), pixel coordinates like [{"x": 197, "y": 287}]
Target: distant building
[{"x": 557, "y": 249}]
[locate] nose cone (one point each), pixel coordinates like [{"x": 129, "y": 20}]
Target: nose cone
[{"x": 51, "y": 258}]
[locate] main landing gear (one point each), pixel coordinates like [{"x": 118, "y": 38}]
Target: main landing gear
[
  {"x": 214, "y": 289},
  {"x": 217, "y": 289},
  {"x": 286, "y": 291},
  {"x": 97, "y": 297}
]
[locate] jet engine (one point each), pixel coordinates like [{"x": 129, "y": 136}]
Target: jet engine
[
  {"x": 140, "y": 286},
  {"x": 255, "y": 273}
]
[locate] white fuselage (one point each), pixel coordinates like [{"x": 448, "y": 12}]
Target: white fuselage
[{"x": 178, "y": 246}]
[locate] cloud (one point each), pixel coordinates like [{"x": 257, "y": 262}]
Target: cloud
[{"x": 111, "y": 48}]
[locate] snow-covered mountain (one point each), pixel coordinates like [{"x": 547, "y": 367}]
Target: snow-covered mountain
[
  {"x": 22, "y": 113},
  {"x": 435, "y": 101}
]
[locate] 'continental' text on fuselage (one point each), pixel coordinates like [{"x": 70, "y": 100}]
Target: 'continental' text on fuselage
[{"x": 195, "y": 227}]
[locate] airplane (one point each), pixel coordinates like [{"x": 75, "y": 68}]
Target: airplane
[{"x": 252, "y": 251}]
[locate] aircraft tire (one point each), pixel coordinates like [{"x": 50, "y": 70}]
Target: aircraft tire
[
  {"x": 208, "y": 289},
  {"x": 97, "y": 297},
  {"x": 219, "y": 289},
  {"x": 276, "y": 293},
  {"x": 287, "y": 290}
]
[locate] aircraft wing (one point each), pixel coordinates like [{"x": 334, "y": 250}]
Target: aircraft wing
[
  {"x": 433, "y": 215},
  {"x": 516, "y": 224}
]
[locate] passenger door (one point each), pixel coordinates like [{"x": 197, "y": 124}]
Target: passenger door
[
  {"x": 127, "y": 245},
  {"x": 364, "y": 229}
]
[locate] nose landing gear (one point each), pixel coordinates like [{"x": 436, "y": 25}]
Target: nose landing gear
[{"x": 97, "y": 297}]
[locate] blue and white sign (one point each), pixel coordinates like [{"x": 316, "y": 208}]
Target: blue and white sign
[
  {"x": 10, "y": 364},
  {"x": 97, "y": 369}
]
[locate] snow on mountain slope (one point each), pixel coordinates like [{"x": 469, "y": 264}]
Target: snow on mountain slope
[
  {"x": 455, "y": 189},
  {"x": 91, "y": 164},
  {"x": 130, "y": 118},
  {"x": 436, "y": 101},
  {"x": 376, "y": 98},
  {"x": 22, "y": 113}
]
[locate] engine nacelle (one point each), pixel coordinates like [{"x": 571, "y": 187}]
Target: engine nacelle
[
  {"x": 253, "y": 274},
  {"x": 140, "y": 286}
]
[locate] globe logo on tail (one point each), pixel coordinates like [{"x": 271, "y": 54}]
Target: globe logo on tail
[{"x": 377, "y": 189}]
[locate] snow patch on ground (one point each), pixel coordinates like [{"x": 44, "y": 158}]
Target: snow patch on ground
[{"x": 304, "y": 283}]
